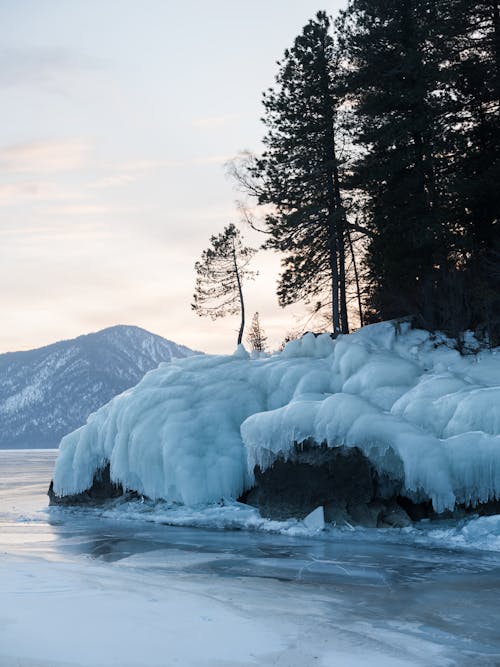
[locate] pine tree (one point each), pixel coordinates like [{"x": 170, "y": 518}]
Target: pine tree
[
  {"x": 220, "y": 275},
  {"x": 471, "y": 37},
  {"x": 393, "y": 83},
  {"x": 256, "y": 338},
  {"x": 299, "y": 173},
  {"x": 423, "y": 79}
]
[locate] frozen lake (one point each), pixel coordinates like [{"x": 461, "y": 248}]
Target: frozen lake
[{"x": 101, "y": 588}]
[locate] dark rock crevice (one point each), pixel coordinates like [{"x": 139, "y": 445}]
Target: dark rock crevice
[
  {"x": 348, "y": 486},
  {"x": 102, "y": 489},
  {"x": 341, "y": 479}
]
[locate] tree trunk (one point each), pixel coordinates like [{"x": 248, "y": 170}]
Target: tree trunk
[
  {"x": 340, "y": 228},
  {"x": 356, "y": 278},
  {"x": 335, "y": 237},
  {"x": 240, "y": 294},
  {"x": 334, "y": 278}
]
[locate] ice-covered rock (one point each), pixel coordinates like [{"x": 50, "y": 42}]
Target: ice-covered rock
[{"x": 425, "y": 418}]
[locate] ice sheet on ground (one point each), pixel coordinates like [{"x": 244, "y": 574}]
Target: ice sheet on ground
[
  {"x": 474, "y": 533},
  {"x": 107, "y": 590},
  {"x": 135, "y": 618}
]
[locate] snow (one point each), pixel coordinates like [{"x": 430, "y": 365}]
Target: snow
[{"x": 192, "y": 431}]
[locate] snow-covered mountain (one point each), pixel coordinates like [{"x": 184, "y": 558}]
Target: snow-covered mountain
[{"x": 48, "y": 392}]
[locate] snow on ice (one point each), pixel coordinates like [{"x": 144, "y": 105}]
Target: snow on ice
[{"x": 192, "y": 430}]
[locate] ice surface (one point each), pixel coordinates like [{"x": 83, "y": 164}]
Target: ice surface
[
  {"x": 96, "y": 587},
  {"x": 192, "y": 431}
]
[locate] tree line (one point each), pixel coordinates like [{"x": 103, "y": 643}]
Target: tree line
[{"x": 380, "y": 176}]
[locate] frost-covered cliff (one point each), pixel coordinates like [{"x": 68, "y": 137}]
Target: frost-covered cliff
[{"x": 193, "y": 430}]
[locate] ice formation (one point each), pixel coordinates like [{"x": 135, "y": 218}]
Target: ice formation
[{"x": 192, "y": 430}]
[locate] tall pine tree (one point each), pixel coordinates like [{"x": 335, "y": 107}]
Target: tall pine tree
[
  {"x": 471, "y": 38},
  {"x": 391, "y": 80},
  {"x": 423, "y": 77},
  {"x": 299, "y": 173}
]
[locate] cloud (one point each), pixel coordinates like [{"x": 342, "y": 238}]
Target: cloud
[
  {"x": 213, "y": 122},
  {"x": 129, "y": 171},
  {"x": 138, "y": 165},
  {"x": 16, "y": 193},
  {"x": 145, "y": 165},
  {"x": 80, "y": 209},
  {"x": 44, "y": 156},
  {"x": 31, "y": 238},
  {"x": 49, "y": 68},
  {"x": 112, "y": 181},
  {"x": 211, "y": 159}
]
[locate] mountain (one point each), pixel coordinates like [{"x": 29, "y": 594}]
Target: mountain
[{"x": 48, "y": 392}]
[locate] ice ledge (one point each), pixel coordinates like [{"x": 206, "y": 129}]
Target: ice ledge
[{"x": 193, "y": 431}]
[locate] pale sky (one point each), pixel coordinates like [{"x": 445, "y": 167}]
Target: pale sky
[{"x": 116, "y": 119}]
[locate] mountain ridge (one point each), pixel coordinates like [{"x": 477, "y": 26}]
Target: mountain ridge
[{"x": 49, "y": 391}]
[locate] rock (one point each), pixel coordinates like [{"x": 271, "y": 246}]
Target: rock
[
  {"x": 394, "y": 516},
  {"x": 341, "y": 480},
  {"x": 337, "y": 514},
  {"x": 365, "y": 514},
  {"x": 102, "y": 489},
  {"x": 416, "y": 511},
  {"x": 330, "y": 477}
]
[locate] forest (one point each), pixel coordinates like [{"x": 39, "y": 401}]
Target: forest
[{"x": 379, "y": 178}]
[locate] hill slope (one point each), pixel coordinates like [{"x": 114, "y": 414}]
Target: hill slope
[{"x": 48, "y": 392}]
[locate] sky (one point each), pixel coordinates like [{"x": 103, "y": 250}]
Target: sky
[{"x": 117, "y": 118}]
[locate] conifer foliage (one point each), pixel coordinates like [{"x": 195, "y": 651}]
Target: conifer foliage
[
  {"x": 472, "y": 38},
  {"x": 298, "y": 173},
  {"x": 423, "y": 81},
  {"x": 410, "y": 91},
  {"x": 402, "y": 171},
  {"x": 256, "y": 338},
  {"x": 220, "y": 275}
]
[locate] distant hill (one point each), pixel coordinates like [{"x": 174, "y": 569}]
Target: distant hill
[{"x": 48, "y": 392}]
